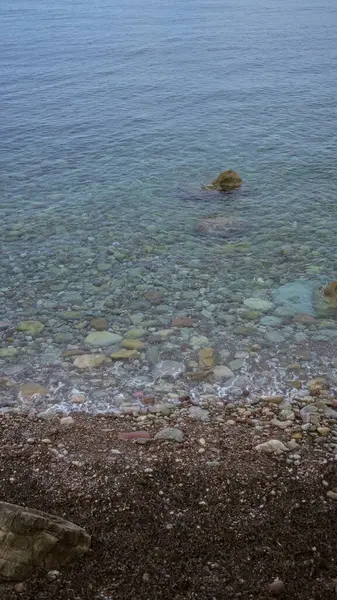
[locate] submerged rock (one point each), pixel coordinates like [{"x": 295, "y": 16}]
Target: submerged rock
[
  {"x": 223, "y": 372},
  {"x": 99, "y": 323},
  {"x": 90, "y": 361},
  {"x": 102, "y": 338},
  {"x": 167, "y": 369},
  {"x": 31, "y": 327},
  {"x": 206, "y": 358},
  {"x": 221, "y": 226},
  {"x": 295, "y": 298},
  {"x": 258, "y": 304},
  {"x": 125, "y": 354},
  {"x": 226, "y": 182},
  {"x": 8, "y": 352},
  {"x": 132, "y": 344},
  {"x": 31, "y": 390}
]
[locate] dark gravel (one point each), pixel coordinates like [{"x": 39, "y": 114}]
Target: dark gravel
[{"x": 213, "y": 525}]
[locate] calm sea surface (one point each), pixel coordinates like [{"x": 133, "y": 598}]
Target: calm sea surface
[{"x": 113, "y": 116}]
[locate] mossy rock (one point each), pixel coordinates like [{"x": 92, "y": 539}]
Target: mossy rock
[
  {"x": 206, "y": 358},
  {"x": 125, "y": 354},
  {"x": 330, "y": 294},
  {"x": 227, "y": 181},
  {"x": 8, "y": 352},
  {"x": 132, "y": 344},
  {"x": 31, "y": 327},
  {"x": 99, "y": 323}
]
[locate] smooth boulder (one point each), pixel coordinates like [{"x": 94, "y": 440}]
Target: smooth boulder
[{"x": 32, "y": 539}]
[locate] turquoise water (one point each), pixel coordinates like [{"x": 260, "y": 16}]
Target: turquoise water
[{"x": 113, "y": 117}]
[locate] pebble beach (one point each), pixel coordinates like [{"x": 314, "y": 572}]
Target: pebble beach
[{"x": 168, "y": 296}]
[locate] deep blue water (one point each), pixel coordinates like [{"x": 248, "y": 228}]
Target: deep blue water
[
  {"x": 113, "y": 115},
  {"x": 100, "y": 93}
]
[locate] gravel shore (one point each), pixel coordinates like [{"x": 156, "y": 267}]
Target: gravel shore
[{"x": 211, "y": 517}]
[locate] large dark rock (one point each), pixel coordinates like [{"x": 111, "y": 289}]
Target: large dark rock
[
  {"x": 227, "y": 181},
  {"x": 30, "y": 539}
]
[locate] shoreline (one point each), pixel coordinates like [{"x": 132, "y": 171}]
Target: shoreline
[{"x": 211, "y": 516}]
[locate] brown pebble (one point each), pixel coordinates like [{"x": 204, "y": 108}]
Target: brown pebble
[
  {"x": 20, "y": 588},
  {"x": 277, "y": 587},
  {"x": 182, "y": 322},
  {"x": 134, "y": 435}
]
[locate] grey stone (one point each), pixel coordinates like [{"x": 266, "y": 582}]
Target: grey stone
[
  {"x": 170, "y": 433},
  {"x": 330, "y": 413},
  {"x": 237, "y": 364},
  {"x": 70, "y": 298},
  {"x": 162, "y": 409},
  {"x": 281, "y": 424},
  {"x": 102, "y": 338},
  {"x": 296, "y": 297},
  {"x": 51, "y": 356},
  {"x": 199, "y": 414},
  {"x": 306, "y": 413},
  {"x": 275, "y": 337},
  {"x": 47, "y": 415},
  {"x": 270, "y": 321},
  {"x": 103, "y": 267},
  {"x": 137, "y": 318},
  {"x": 64, "y": 338},
  {"x": 258, "y": 304},
  {"x": 67, "y": 422},
  {"x": 222, "y": 372},
  {"x": 272, "y": 447},
  {"x": 198, "y": 341}
]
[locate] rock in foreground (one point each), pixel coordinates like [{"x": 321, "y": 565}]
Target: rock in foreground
[
  {"x": 31, "y": 539},
  {"x": 226, "y": 182}
]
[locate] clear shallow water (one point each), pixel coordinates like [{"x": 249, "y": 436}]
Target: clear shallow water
[{"x": 113, "y": 116}]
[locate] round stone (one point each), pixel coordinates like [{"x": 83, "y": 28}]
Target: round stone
[
  {"x": 222, "y": 372},
  {"x": 102, "y": 338},
  {"x": 99, "y": 323},
  {"x": 275, "y": 337},
  {"x": 171, "y": 434},
  {"x": 132, "y": 344},
  {"x": 134, "y": 334},
  {"x": 258, "y": 304}
]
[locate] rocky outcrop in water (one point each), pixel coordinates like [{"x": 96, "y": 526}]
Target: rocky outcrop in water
[
  {"x": 227, "y": 181},
  {"x": 30, "y": 539},
  {"x": 330, "y": 294}
]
